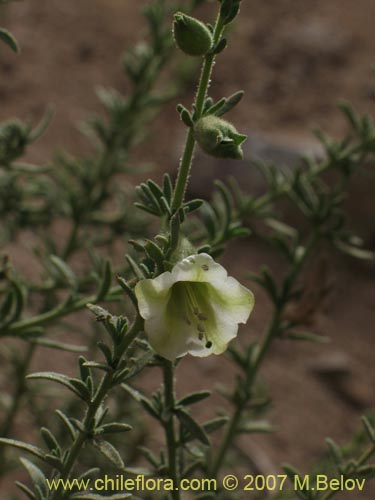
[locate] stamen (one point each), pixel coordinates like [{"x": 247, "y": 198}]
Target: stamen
[{"x": 187, "y": 320}]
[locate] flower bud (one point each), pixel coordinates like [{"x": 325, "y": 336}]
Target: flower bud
[
  {"x": 219, "y": 138},
  {"x": 191, "y": 36}
]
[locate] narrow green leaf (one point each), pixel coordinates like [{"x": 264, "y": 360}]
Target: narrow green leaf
[
  {"x": 30, "y": 495},
  {"x": 140, "y": 398},
  {"x": 335, "y": 451},
  {"x": 64, "y": 271},
  {"x": 9, "y": 39},
  {"x": 308, "y": 337},
  {"x": 369, "y": 428},
  {"x": 167, "y": 187},
  {"x": 110, "y": 452},
  {"x": 358, "y": 253},
  {"x": 255, "y": 427},
  {"x": 50, "y": 440},
  {"x": 113, "y": 428},
  {"x": 37, "y": 452},
  {"x": 230, "y": 103},
  {"x": 193, "y": 398},
  {"x": 215, "y": 423},
  {"x": 195, "y": 429},
  {"x": 36, "y": 474},
  {"x": 106, "y": 280},
  {"x": 57, "y": 377},
  {"x": 61, "y": 346},
  {"x": 67, "y": 423}
]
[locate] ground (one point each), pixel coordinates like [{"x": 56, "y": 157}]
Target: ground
[{"x": 295, "y": 61}]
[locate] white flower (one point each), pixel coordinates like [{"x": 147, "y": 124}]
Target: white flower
[{"x": 195, "y": 308}]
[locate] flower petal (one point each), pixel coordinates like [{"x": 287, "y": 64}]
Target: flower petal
[{"x": 195, "y": 308}]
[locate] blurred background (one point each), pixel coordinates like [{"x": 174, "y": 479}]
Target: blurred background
[{"x": 295, "y": 61}]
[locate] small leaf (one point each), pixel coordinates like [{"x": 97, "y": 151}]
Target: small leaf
[
  {"x": 140, "y": 398},
  {"x": 335, "y": 451},
  {"x": 9, "y": 39},
  {"x": 220, "y": 46},
  {"x": 63, "y": 271},
  {"x": 255, "y": 427},
  {"x": 60, "y": 379},
  {"x": 195, "y": 429},
  {"x": 215, "y": 424},
  {"x": 308, "y": 337},
  {"x": 230, "y": 103},
  {"x": 50, "y": 439},
  {"x": 26, "y": 490},
  {"x": 110, "y": 452},
  {"x": 191, "y": 399},
  {"x": 281, "y": 227},
  {"x": 369, "y": 428},
  {"x": 193, "y": 205},
  {"x": 54, "y": 344},
  {"x": 67, "y": 424},
  {"x": 186, "y": 118},
  {"x": 37, "y": 475},
  {"x": 167, "y": 187},
  {"x": 113, "y": 428},
  {"x": 358, "y": 253},
  {"x": 106, "y": 281},
  {"x": 149, "y": 455},
  {"x": 37, "y": 452}
]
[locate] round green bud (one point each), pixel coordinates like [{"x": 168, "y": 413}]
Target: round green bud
[
  {"x": 191, "y": 35},
  {"x": 218, "y": 137}
]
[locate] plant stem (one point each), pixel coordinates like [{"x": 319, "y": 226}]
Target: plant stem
[
  {"x": 18, "y": 327},
  {"x": 17, "y": 396},
  {"x": 169, "y": 399},
  {"x": 263, "y": 201},
  {"x": 264, "y": 347},
  {"x": 237, "y": 415},
  {"x": 187, "y": 157},
  {"x": 105, "y": 385}
]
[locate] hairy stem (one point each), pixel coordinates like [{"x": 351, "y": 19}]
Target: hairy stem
[
  {"x": 169, "y": 400},
  {"x": 104, "y": 387},
  {"x": 187, "y": 157}
]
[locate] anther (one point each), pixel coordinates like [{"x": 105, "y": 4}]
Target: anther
[
  {"x": 208, "y": 344},
  {"x": 205, "y": 267},
  {"x": 200, "y": 328},
  {"x": 202, "y": 317},
  {"x": 196, "y": 311}
]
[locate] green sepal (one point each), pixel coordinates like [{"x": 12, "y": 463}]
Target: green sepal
[
  {"x": 218, "y": 137},
  {"x": 191, "y": 35}
]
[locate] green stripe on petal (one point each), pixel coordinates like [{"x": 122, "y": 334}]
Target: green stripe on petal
[{"x": 195, "y": 308}]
